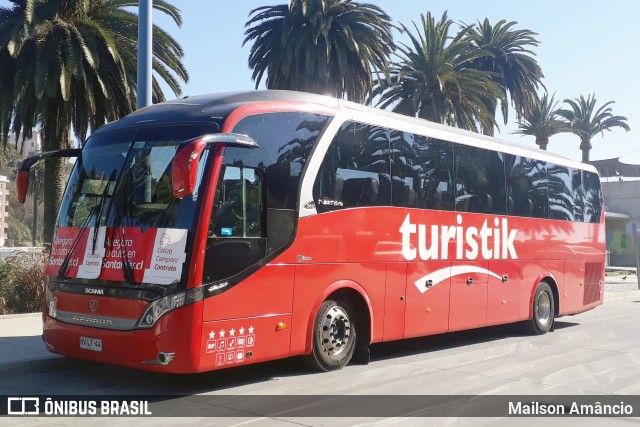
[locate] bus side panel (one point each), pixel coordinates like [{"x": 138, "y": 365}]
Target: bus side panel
[
  {"x": 395, "y": 301},
  {"x": 468, "y": 297},
  {"x": 250, "y": 322},
  {"x": 505, "y": 297},
  {"x": 427, "y": 309},
  {"x": 573, "y": 287},
  {"x": 584, "y": 286},
  {"x": 315, "y": 282},
  {"x": 268, "y": 291},
  {"x": 242, "y": 341}
]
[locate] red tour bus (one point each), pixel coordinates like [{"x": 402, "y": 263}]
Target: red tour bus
[{"x": 223, "y": 230}]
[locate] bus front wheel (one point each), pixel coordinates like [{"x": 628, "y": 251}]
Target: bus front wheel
[
  {"x": 543, "y": 310},
  {"x": 334, "y": 335}
]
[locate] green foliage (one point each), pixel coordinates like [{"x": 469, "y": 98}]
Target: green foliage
[
  {"x": 586, "y": 122},
  {"x": 23, "y": 283},
  {"x": 542, "y": 120},
  {"x": 21, "y": 215},
  {"x": 18, "y": 233},
  {"x": 434, "y": 78},
  {"x": 74, "y": 66},
  {"x": 508, "y": 55},
  {"x": 321, "y": 46}
]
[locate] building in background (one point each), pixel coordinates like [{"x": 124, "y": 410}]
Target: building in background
[
  {"x": 622, "y": 212},
  {"x": 621, "y": 188},
  {"x": 25, "y": 148},
  {"x": 30, "y": 146}
]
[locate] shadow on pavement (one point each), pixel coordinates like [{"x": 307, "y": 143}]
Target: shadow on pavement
[{"x": 71, "y": 375}]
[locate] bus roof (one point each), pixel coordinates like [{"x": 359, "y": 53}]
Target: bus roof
[
  {"x": 216, "y": 107},
  {"x": 211, "y": 108}
]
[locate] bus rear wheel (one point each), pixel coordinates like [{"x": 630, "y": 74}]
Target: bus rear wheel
[
  {"x": 543, "y": 310},
  {"x": 334, "y": 335}
]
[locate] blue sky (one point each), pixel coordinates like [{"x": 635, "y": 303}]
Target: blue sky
[{"x": 585, "y": 47}]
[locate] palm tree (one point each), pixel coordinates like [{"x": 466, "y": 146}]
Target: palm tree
[
  {"x": 73, "y": 64},
  {"x": 434, "y": 78},
  {"x": 542, "y": 120},
  {"x": 320, "y": 46},
  {"x": 510, "y": 58},
  {"x": 586, "y": 122},
  {"x": 35, "y": 189}
]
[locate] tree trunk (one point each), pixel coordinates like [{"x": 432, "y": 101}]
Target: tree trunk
[
  {"x": 54, "y": 184},
  {"x": 56, "y": 135},
  {"x": 491, "y": 130},
  {"x": 542, "y": 142},
  {"x": 585, "y": 146},
  {"x": 34, "y": 230}
]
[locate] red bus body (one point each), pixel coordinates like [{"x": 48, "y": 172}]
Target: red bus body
[{"x": 482, "y": 270}]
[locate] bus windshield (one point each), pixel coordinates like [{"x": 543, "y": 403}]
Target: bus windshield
[{"x": 119, "y": 220}]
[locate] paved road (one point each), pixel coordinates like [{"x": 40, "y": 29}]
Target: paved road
[{"x": 597, "y": 352}]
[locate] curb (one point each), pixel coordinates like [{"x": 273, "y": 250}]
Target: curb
[{"x": 20, "y": 315}]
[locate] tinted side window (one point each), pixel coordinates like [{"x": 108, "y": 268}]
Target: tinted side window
[
  {"x": 480, "y": 180},
  {"x": 355, "y": 171},
  {"x": 592, "y": 197},
  {"x": 578, "y": 199},
  {"x": 238, "y": 206},
  {"x": 561, "y": 199},
  {"x": 526, "y": 187},
  {"x": 256, "y": 197},
  {"x": 285, "y": 141},
  {"x": 422, "y": 172}
]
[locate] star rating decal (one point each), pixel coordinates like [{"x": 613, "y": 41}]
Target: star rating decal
[
  {"x": 229, "y": 346},
  {"x": 231, "y": 332}
]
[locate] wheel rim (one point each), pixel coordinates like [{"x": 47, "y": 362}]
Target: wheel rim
[
  {"x": 336, "y": 331},
  {"x": 543, "y": 308}
]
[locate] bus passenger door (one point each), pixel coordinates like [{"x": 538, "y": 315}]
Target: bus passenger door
[
  {"x": 427, "y": 308},
  {"x": 468, "y": 297}
]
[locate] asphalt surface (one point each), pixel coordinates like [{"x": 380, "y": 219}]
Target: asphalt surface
[{"x": 593, "y": 353}]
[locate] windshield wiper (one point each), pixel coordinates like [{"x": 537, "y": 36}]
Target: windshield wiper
[
  {"x": 65, "y": 263},
  {"x": 118, "y": 209},
  {"x": 96, "y": 209},
  {"x": 103, "y": 196}
]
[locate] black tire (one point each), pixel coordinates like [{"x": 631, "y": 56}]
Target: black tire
[
  {"x": 543, "y": 309},
  {"x": 334, "y": 336}
]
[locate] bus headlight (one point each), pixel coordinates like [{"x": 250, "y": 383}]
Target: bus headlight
[
  {"x": 162, "y": 306},
  {"x": 159, "y": 308}
]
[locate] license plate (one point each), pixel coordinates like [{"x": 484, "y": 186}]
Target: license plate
[{"x": 93, "y": 344}]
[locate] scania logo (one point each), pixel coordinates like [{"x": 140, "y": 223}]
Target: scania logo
[
  {"x": 93, "y": 305},
  {"x": 94, "y": 291}
]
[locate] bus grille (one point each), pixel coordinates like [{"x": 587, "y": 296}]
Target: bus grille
[{"x": 592, "y": 282}]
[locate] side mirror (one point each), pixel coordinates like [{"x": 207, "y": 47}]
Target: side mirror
[
  {"x": 184, "y": 168},
  {"x": 22, "y": 177}
]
